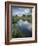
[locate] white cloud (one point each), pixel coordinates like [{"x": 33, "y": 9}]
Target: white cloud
[
  {"x": 27, "y": 11},
  {"x": 19, "y": 13},
  {"x": 20, "y": 8}
]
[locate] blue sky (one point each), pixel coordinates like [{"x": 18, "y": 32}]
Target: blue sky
[{"x": 20, "y": 11}]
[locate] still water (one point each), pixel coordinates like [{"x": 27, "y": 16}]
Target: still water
[{"x": 25, "y": 27}]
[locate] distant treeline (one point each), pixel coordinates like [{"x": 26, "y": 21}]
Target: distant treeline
[{"x": 23, "y": 17}]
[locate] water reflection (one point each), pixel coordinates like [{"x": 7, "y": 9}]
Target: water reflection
[{"x": 25, "y": 27}]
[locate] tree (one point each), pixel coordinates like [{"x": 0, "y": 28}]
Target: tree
[
  {"x": 16, "y": 15},
  {"x": 24, "y": 15}
]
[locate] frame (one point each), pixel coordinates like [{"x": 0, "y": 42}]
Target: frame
[{"x": 8, "y": 25}]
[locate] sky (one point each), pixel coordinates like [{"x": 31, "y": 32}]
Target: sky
[{"x": 20, "y": 11}]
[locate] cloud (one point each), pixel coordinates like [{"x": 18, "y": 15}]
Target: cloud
[
  {"x": 27, "y": 10},
  {"x": 20, "y": 11}
]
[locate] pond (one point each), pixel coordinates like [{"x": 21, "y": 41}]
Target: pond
[{"x": 24, "y": 28}]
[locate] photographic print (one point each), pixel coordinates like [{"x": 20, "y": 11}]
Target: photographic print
[{"x": 20, "y": 22}]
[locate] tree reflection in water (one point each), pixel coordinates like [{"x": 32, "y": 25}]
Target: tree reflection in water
[{"x": 23, "y": 29}]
